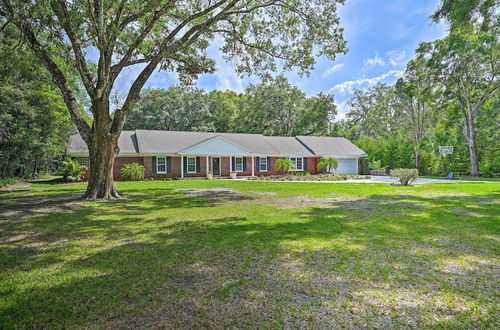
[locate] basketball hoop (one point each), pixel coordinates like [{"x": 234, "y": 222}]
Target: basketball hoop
[{"x": 445, "y": 150}]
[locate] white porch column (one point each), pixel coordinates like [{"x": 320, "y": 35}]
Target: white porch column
[
  {"x": 253, "y": 166},
  {"x": 207, "y": 165},
  {"x": 230, "y": 163},
  {"x": 182, "y": 167}
]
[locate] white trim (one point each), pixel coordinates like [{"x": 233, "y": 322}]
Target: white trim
[
  {"x": 157, "y": 170},
  {"x": 260, "y": 170},
  {"x": 253, "y": 166},
  {"x": 297, "y": 169},
  {"x": 187, "y": 165},
  {"x": 235, "y": 169},
  {"x": 207, "y": 165},
  {"x": 186, "y": 151},
  {"x": 182, "y": 167}
]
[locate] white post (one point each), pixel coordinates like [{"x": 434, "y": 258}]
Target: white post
[
  {"x": 182, "y": 167},
  {"x": 207, "y": 165},
  {"x": 230, "y": 163},
  {"x": 253, "y": 166}
]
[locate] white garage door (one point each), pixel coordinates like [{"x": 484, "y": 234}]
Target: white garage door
[{"x": 348, "y": 166}]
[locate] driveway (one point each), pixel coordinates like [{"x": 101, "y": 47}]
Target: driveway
[
  {"x": 390, "y": 179},
  {"x": 387, "y": 179}
]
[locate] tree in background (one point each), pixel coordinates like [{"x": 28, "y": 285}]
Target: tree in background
[
  {"x": 373, "y": 112},
  {"x": 172, "y": 35},
  {"x": 414, "y": 94},
  {"x": 272, "y": 107},
  {"x": 468, "y": 66},
  {"x": 175, "y": 109},
  {"x": 34, "y": 122}
]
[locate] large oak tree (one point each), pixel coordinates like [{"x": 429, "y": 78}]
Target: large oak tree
[{"x": 260, "y": 35}]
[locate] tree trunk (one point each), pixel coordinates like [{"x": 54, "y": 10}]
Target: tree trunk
[
  {"x": 417, "y": 159},
  {"x": 471, "y": 141},
  {"x": 102, "y": 154},
  {"x": 470, "y": 134}
]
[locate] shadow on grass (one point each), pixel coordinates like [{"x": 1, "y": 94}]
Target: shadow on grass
[{"x": 372, "y": 262}]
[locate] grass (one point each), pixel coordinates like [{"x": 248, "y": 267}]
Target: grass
[
  {"x": 466, "y": 178},
  {"x": 251, "y": 255}
]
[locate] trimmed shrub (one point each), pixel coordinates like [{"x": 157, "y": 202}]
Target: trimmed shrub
[
  {"x": 133, "y": 172},
  {"x": 406, "y": 176},
  {"x": 71, "y": 170},
  {"x": 283, "y": 165},
  {"x": 326, "y": 165},
  {"x": 378, "y": 172}
]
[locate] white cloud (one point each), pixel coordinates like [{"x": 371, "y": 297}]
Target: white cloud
[
  {"x": 349, "y": 86},
  {"x": 371, "y": 62},
  {"x": 342, "y": 110},
  {"x": 396, "y": 57},
  {"x": 227, "y": 79},
  {"x": 331, "y": 70}
]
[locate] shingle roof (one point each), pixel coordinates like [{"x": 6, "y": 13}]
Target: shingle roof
[
  {"x": 331, "y": 146},
  {"x": 173, "y": 142},
  {"x": 127, "y": 143}
]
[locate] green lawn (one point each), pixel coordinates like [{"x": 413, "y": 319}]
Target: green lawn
[{"x": 267, "y": 254}]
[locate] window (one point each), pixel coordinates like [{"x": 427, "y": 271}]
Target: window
[
  {"x": 298, "y": 163},
  {"x": 191, "y": 164},
  {"x": 263, "y": 164},
  {"x": 238, "y": 164},
  {"x": 161, "y": 164},
  {"x": 85, "y": 161}
]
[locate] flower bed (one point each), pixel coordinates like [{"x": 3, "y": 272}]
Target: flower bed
[{"x": 310, "y": 177}]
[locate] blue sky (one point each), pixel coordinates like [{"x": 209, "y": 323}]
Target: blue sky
[{"x": 381, "y": 34}]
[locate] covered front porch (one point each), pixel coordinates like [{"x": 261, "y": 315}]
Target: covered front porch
[
  {"x": 219, "y": 157},
  {"x": 217, "y": 165}
]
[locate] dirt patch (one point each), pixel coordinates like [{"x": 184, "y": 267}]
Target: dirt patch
[
  {"x": 30, "y": 206},
  {"x": 21, "y": 185},
  {"x": 216, "y": 195}
]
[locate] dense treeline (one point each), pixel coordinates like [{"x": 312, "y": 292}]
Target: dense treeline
[
  {"x": 272, "y": 107},
  {"x": 34, "y": 121},
  {"x": 448, "y": 96}
]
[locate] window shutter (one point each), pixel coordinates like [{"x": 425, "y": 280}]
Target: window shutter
[
  {"x": 268, "y": 164},
  {"x": 257, "y": 160},
  {"x": 153, "y": 170},
  {"x": 198, "y": 167},
  {"x": 244, "y": 164},
  {"x": 169, "y": 164},
  {"x": 304, "y": 164},
  {"x": 185, "y": 165},
  {"x": 233, "y": 163}
]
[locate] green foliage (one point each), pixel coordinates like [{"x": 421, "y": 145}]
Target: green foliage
[
  {"x": 271, "y": 107},
  {"x": 283, "y": 165},
  {"x": 327, "y": 164},
  {"x": 175, "y": 109},
  {"x": 406, "y": 176},
  {"x": 34, "y": 122},
  {"x": 133, "y": 172},
  {"x": 71, "y": 170},
  {"x": 375, "y": 164},
  {"x": 9, "y": 180}
]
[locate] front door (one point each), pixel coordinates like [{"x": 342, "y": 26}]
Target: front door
[{"x": 216, "y": 165}]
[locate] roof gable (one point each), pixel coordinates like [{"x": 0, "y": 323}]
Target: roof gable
[{"x": 216, "y": 145}]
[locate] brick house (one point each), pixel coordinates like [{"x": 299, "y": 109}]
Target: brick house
[{"x": 194, "y": 154}]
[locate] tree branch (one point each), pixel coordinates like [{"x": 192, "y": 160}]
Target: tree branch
[
  {"x": 81, "y": 64},
  {"x": 58, "y": 77}
]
